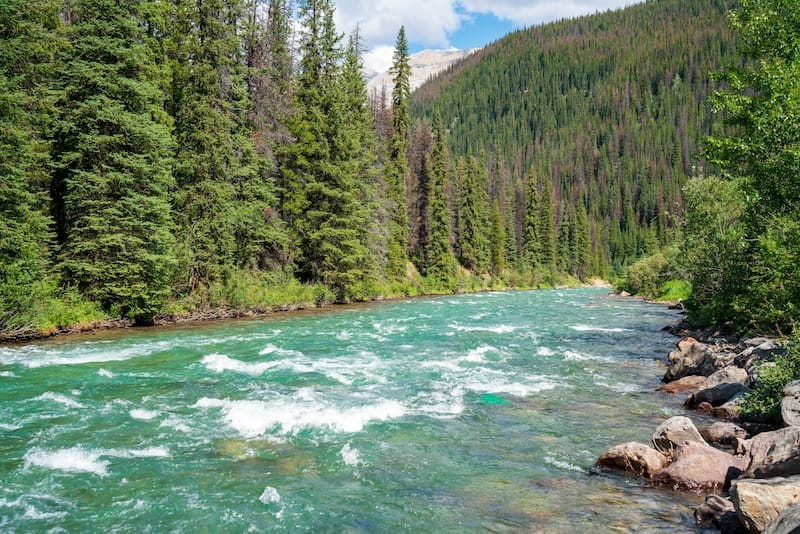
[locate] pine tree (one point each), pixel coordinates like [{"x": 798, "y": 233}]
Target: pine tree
[
  {"x": 531, "y": 235},
  {"x": 215, "y": 164},
  {"x": 397, "y": 163},
  {"x": 498, "y": 240},
  {"x": 547, "y": 229},
  {"x": 112, "y": 151},
  {"x": 440, "y": 262},
  {"x": 473, "y": 223}
]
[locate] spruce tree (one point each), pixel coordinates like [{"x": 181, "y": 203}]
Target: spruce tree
[
  {"x": 498, "y": 240},
  {"x": 397, "y": 164},
  {"x": 473, "y": 221},
  {"x": 547, "y": 229},
  {"x": 27, "y": 38},
  {"x": 531, "y": 235},
  {"x": 440, "y": 262},
  {"x": 112, "y": 152}
]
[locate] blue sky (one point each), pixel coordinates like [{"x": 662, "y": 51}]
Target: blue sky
[{"x": 443, "y": 24}]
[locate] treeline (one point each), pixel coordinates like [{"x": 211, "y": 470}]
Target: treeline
[
  {"x": 165, "y": 155},
  {"x": 609, "y": 111}
]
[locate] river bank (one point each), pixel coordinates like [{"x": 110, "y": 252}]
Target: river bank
[{"x": 749, "y": 469}]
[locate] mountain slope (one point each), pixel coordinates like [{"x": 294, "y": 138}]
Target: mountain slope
[
  {"x": 611, "y": 108},
  {"x": 424, "y": 65}
]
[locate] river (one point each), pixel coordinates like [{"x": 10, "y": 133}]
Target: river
[{"x": 468, "y": 413}]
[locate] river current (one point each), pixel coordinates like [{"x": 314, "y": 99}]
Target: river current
[{"x": 468, "y": 413}]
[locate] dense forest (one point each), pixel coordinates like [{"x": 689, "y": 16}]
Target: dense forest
[
  {"x": 608, "y": 110},
  {"x": 164, "y": 156}
]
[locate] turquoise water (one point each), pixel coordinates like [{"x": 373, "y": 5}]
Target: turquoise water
[{"x": 469, "y": 413}]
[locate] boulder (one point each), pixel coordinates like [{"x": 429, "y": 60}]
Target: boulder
[
  {"x": 694, "y": 358},
  {"x": 687, "y": 384},
  {"x": 675, "y": 431},
  {"x": 727, "y": 434},
  {"x": 774, "y": 454},
  {"x": 717, "y": 395},
  {"x": 718, "y": 512},
  {"x": 632, "y": 457},
  {"x": 765, "y": 352},
  {"x": 760, "y": 502},
  {"x": 790, "y": 405},
  {"x": 731, "y": 409},
  {"x": 788, "y": 522},
  {"x": 699, "y": 467},
  {"x": 728, "y": 375}
]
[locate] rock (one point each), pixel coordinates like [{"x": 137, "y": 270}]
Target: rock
[
  {"x": 730, "y": 374},
  {"x": 731, "y": 409},
  {"x": 755, "y": 341},
  {"x": 705, "y": 408},
  {"x": 694, "y": 358},
  {"x": 687, "y": 384},
  {"x": 717, "y": 395},
  {"x": 624, "y": 294},
  {"x": 718, "y": 512},
  {"x": 774, "y": 454},
  {"x": 633, "y": 457},
  {"x": 698, "y": 467},
  {"x": 727, "y": 434},
  {"x": 764, "y": 352},
  {"x": 790, "y": 405},
  {"x": 788, "y": 522},
  {"x": 675, "y": 431},
  {"x": 760, "y": 502}
]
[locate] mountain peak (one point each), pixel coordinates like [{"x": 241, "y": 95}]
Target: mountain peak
[{"x": 424, "y": 64}]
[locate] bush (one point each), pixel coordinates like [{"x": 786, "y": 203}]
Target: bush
[{"x": 763, "y": 402}]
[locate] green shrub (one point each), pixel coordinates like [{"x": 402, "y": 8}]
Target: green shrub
[{"x": 763, "y": 402}]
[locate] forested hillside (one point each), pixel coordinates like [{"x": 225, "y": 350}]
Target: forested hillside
[
  {"x": 166, "y": 156},
  {"x": 609, "y": 109}
]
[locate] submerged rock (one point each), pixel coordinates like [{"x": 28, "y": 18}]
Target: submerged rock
[
  {"x": 760, "y": 502},
  {"x": 699, "y": 467},
  {"x": 632, "y": 457},
  {"x": 674, "y": 432}
]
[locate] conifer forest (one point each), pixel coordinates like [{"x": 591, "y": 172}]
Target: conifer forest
[{"x": 164, "y": 156}]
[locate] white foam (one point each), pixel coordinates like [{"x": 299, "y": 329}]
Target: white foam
[
  {"x": 574, "y": 356},
  {"x": 143, "y": 415},
  {"x": 105, "y": 373},
  {"x": 478, "y": 355},
  {"x": 515, "y": 389},
  {"x": 544, "y": 351},
  {"x": 32, "y": 513},
  {"x": 350, "y": 456},
  {"x": 175, "y": 423},
  {"x": 587, "y": 328},
  {"x": 60, "y": 399},
  {"x": 273, "y": 349},
  {"x": 284, "y": 417},
  {"x": 219, "y": 363},
  {"x": 270, "y": 495},
  {"x": 80, "y": 460},
  {"x": 72, "y": 460},
  {"x": 7, "y": 374},
  {"x": 7, "y": 427},
  {"x": 562, "y": 464},
  {"x": 35, "y": 356},
  {"x": 499, "y": 329}
]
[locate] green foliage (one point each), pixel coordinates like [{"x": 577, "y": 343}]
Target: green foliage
[
  {"x": 472, "y": 241},
  {"x": 646, "y": 275},
  {"x": 763, "y": 401},
  {"x": 610, "y": 108},
  {"x": 674, "y": 291}
]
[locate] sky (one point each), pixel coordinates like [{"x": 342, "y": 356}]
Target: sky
[{"x": 443, "y": 24}]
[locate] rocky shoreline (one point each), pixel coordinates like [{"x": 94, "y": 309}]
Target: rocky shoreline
[{"x": 749, "y": 471}]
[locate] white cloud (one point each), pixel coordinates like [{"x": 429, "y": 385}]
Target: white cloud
[
  {"x": 526, "y": 13},
  {"x": 379, "y": 58}
]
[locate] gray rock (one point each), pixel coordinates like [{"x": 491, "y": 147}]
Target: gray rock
[
  {"x": 717, "y": 395},
  {"x": 774, "y": 454},
  {"x": 719, "y": 512},
  {"x": 764, "y": 352},
  {"x": 790, "y": 405},
  {"x": 632, "y": 457},
  {"x": 727, "y": 434},
  {"x": 694, "y": 358},
  {"x": 759, "y": 502},
  {"x": 788, "y": 522},
  {"x": 755, "y": 341},
  {"x": 699, "y": 467},
  {"x": 730, "y": 374},
  {"x": 674, "y": 432}
]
